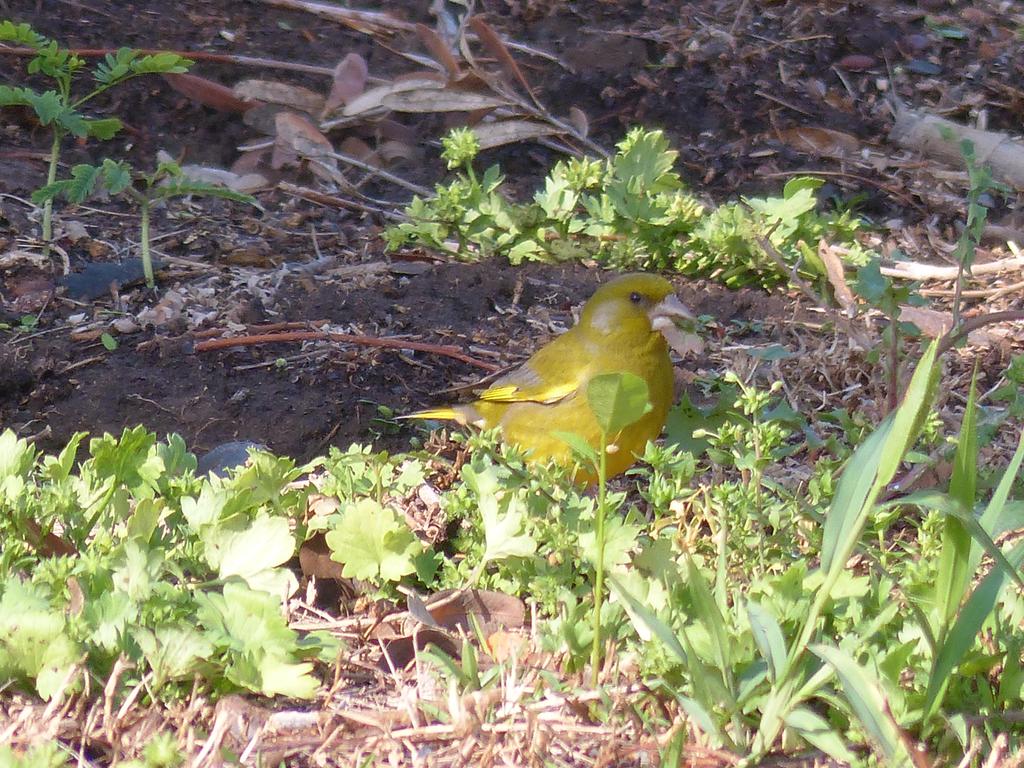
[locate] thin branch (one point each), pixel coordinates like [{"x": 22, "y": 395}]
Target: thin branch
[
  {"x": 221, "y": 58},
  {"x": 971, "y": 324},
  {"x": 455, "y": 353}
]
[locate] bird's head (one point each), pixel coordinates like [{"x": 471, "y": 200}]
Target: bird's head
[{"x": 632, "y": 306}]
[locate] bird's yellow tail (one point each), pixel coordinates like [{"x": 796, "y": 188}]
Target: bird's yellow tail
[{"x": 441, "y": 414}]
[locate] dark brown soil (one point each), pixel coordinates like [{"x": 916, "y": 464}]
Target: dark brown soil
[{"x": 721, "y": 78}]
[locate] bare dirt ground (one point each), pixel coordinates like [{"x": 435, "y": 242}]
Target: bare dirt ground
[{"x": 730, "y": 82}]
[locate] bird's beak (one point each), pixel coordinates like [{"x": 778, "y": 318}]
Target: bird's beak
[{"x": 665, "y": 313}]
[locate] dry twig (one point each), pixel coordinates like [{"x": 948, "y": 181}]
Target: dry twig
[{"x": 344, "y": 338}]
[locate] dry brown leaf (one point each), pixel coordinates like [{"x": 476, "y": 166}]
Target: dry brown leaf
[
  {"x": 503, "y": 646},
  {"x": 373, "y": 99},
  {"x": 285, "y": 94},
  {"x": 856, "y": 62},
  {"x": 492, "y": 610},
  {"x": 684, "y": 343},
  {"x": 208, "y": 93},
  {"x": 935, "y": 323},
  {"x": 511, "y": 132},
  {"x": 355, "y": 147},
  {"x": 579, "y": 121},
  {"x": 438, "y": 49},
  {"x": 297, "y": 139},
  {"x": 837, "y": 278},
  {"x": 444, "y": 100},
  {"x": 391, "y": 151},
  {"x": 298, "y": 135},
  {"x": 493, "y": 43},
  {"x": 204, "y": 174},
  {"x": 399, "y": 651},
  {"x": 262, "y": 117},
  {"x": 824, "y": 142},
  {"x": 349, "y": 82},
  {"x": 315, "y": 559},
  {"x": 249, "y": 162}
]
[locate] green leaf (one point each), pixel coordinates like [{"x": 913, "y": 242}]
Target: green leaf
[
  {"x": 991, "y": 519},
  {"x": 48, "y": 106},
  {"x": 279, "y": 676},
  {"x": 11, "y": 96},
  {"x": 504, "y": 534},
  {"x": 951, "y": 507},
  {"x": 34, "y": 643},
  {"x": 709, "y": 614},
  {"x": 164, "y": 62},
  {"x": 621, "y": 538},
  {"x": 255, "y": 642},
  {"x": 617, "y": 400},
  {"x": 181, "y": 187},
  {"x": 254, "y": 553},
  {"x": 800, "y": 184},
  {"x": 21, "y": 34},
  {"x": 48, "y": 754},
  {"x": 17, "y": 457},
  {"x": 144, "y": 519},
  {"x": 854, "y": 486},
  {"x": 103, "y": 128},
  {"x": 372, "y": 543},
  {"x": 174, "y": 652},
  {"x": 871, "y": 284},
  {"x": 873, "y": 465},
  {"x": 701, "y": 718},
  {"x": 647, "y": 622},
  {"x": 768, "y": 637},
  {"x": 110, "y": 177},
  {"x": 945, "y": 30},
  {"x": 953, "y": 577},
  {"x": 818, "y": 733},
  {"x": 109, "y": 342},
  {"x": 581, "y": 449},
  {"x": 864, "y": 696},
  {"x": 58, "y": 468},
  {"x": 964, "y": 632}
]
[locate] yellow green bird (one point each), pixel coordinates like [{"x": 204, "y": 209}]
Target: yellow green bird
[{"x": 621, "y": 329}]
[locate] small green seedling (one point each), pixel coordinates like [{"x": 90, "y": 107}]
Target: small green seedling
[
  {"x": 62, "y": 110},
  {"x": 148, "y": 190},
  {"x": 616, "y": 401}
]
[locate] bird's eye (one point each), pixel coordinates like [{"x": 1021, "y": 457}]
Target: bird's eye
[{"x": 635, "y": 297}]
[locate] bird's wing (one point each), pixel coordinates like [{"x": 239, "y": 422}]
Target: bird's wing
[{"x": 553, "y": 373}]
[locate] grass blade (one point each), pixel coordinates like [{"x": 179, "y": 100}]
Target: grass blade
[
  {"x": 816, "y": 731},
  {"x": 864, "y": 696},
  {"x": 953, "y": 575},
  {"x": 640, "y": 613},
  {"x": 769, "y": 639},
  {"x": 997, "y": 504},
  {"x": 964, "y": 632}
]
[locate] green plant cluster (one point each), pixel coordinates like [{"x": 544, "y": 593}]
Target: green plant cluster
[
  {"x": 130, "y": 557},
  {"x": 730, "y": 591},
  {"x": 61, "y": 111},
  {"x": 629, "y": 211}
]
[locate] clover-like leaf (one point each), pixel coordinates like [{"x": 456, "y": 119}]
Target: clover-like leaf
[
  {"x": 372, "y": 543},
  {"x": 504, "y": 533},
  {"x": 618, "y": 400}
]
